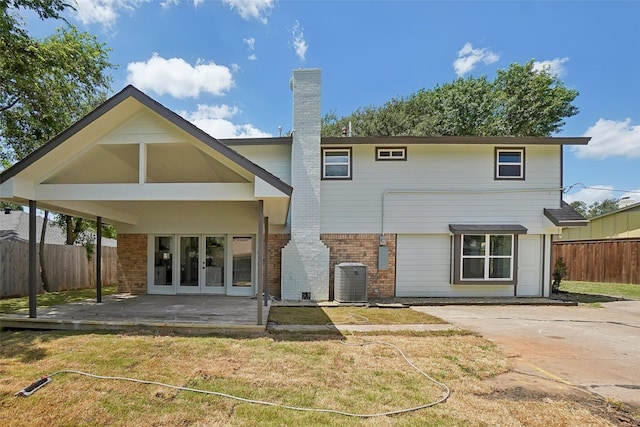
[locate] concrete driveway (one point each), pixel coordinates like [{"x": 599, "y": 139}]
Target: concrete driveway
[{"x": 597, "y": 349}]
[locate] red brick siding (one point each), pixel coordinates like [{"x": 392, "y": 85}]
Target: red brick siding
[
  {"x": 363, "y": 248},
  {"x": 276, "y": 243},
  {"x": 132, "y": 263}
]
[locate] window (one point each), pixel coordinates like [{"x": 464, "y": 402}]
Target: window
[
  {"x": 336, "y": 163},
  {"x": 509, "y": 163},
  {"x": 485, "y": 254},
  {"x": 487, "y": 257},
  {"x": 399, "y": 153}
]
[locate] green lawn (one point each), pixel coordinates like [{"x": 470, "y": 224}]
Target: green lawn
[
  {"x": 13, "y": 305},
  {"x": 618, "y": 290}
]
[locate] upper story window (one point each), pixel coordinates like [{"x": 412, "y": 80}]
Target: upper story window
[
  {"x": 509, "y": 163},
  {"x": 397, "y": 153},
  {"x": 336, "y": 163}
]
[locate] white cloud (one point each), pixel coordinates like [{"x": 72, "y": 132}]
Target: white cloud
[
  {"x": 299, "y": 43},
  {"x": 591, "y": 195},
  {"x": 251, "y": 9},
  {"x": 468, "y": 58},
  {"x": 251, "y": 43},
  {"x": 216, "y": 121},
  {"x": 597, "y": 193},
  {"x": 197, "y": 3},
  {"x": 104, "y": 12},
  {"x": 555, "y": 66},
  {"x": 178, "y": 78},
  {"x": 168, "y": 3},
  {"x": 611, "y": 138}
]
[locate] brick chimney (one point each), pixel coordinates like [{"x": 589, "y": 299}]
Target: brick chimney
[{"x": 305, "y": 259}]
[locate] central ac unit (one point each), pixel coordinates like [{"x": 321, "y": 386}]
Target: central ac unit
[{"x": 350, "y": 282}]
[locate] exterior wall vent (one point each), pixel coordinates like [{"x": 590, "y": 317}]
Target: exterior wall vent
[{"x": 350, "y": 282}]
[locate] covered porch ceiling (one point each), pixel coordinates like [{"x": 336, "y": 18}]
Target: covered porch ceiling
[{"x": 132, "y": 153}]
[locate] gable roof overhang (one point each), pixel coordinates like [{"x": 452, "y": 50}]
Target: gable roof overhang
[
  {"x": 23, "y": 181},
  {"x": 566, "y": 216}
]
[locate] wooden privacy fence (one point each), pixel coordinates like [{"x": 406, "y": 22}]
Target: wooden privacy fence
[
  {"x": 67, "y": 268},
  {"x": 609, "y": 260}
]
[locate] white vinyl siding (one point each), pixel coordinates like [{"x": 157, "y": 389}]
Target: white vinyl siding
[
  {"x": 424, "y": 268},
  {"x": 275, "y": 159},
  {"x": 451, "y": 184}
]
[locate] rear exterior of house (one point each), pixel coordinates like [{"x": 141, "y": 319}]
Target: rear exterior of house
[
  {"x": 429, "y": 217},
  {"x": 426, "y": 216}
]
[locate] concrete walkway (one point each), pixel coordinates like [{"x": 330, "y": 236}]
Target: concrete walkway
[{"x": 597, "y": 349}]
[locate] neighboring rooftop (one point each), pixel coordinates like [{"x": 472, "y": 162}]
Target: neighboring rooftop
[{"x": 15, "y": 226}]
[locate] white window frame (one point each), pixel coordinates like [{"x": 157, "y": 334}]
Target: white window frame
[
  {"x": 499, "y": 163},
  {"x": 391, "y": 153},
  {"x": 487, "y": 257},
  {"x": 348, "y": 163}
]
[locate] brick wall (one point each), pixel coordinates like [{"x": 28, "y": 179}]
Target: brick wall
[
  {"x": 132, "y": 263},
  {"x": 363, "y": 248},
  {"x": 276, "y": 243}
]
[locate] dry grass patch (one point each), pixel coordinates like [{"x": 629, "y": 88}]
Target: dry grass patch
[
  {"x": 317, "y": 372},
  {"x": 349, "y": 316}
]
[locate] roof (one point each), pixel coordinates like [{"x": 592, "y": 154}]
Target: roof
[
  {"x": 170, "y": 116},
  {"x": 625, "y": 208},
  {"x": 15, "y": 226},
  {"x": 566, "y": 216},
  {"x": 487, "y": 228},
  {"x": 420, "y": 140}
]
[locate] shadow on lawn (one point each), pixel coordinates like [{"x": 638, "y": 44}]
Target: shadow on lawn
[
  {"x": 584, "y": 298},
  {"x": 22, "y": 345}
]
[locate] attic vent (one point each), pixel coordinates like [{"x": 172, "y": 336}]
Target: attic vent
[{"x": 350, "y": 281}]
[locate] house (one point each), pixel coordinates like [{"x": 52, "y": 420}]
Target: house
[
  {"x": 621, "y": 223},
  {"x": 14, "y": 225},
  {"x": 427, "y": 216}
]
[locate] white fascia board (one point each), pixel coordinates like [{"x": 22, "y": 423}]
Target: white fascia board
[
  {"x": 15, "y": 187},
  {"x": 263, "y": 189},
  {"x": 147, "y": 192},
  {"x": 90, "y": 210}
]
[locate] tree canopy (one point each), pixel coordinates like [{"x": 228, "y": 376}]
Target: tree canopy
[
  {"x": 45, "y": 84},
  {"x": 595, "y": 209},
  {"x": 520, "y": 101}
]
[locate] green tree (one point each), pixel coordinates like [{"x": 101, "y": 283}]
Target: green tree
[
  {"x": 595, "y": 209},
  {"x": 521, "y": 101},
  {"x": 45, "y": 85}
]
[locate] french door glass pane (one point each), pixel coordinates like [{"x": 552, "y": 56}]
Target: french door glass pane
[
  {"x": 189, "y": 261},
  {"x": 162, "y": 261},
  {"x": 242, "y": 261},
  {"x": 214, "y": 249}
]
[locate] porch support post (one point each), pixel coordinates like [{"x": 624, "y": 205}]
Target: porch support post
[
  {"x": 266, "y": 259},
  {"x": 32, "y": 259},
  {"x": 99, "y": 259},
  {"x": 260, "y": 250}
]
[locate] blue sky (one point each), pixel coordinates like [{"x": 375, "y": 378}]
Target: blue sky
[{"x": 225, "y": 64}]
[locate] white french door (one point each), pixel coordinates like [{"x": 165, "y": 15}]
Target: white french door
[{"x": 202, "y": 264}]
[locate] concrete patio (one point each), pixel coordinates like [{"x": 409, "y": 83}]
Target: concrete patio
[{"x": 198, "y": 314}]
